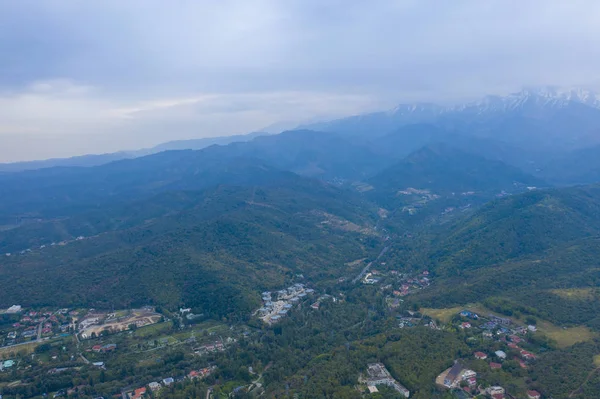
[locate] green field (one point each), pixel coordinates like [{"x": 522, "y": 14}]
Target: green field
[
  {"x": 152, "y": 329},
  {"x": 444, "y": 315},
  {"x": 574, "y": 293},
  {"x": 566, "y": 337}
]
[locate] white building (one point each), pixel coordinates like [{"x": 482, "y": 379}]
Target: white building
[{"x": 14, "y": 309}]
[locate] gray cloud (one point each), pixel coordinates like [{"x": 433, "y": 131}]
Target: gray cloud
[{"x": 80, "y": 77}]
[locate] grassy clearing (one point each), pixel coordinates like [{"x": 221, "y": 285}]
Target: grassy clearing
[
  {"x": 152, "y": 329},
  {"x": 444, "y": 315},
  {"x": 566, "y": 337},
  {"x": 575, "y": 293},
  {"x": 356, "y": 262},
  {"x": 597, "y": 360},
  {"x": 24, "y": 348}
]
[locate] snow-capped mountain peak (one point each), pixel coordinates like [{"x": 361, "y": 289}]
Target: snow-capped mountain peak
[{"x": 548, "y": 97}]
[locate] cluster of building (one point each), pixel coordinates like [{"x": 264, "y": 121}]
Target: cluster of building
[
  {"x": 377, "y": 374},
  {"x": 411, "y": 283},
  {"x": 155, "y": 386},
  {"x": 217, "y": 346},
  {"x": 35, "y": 324},
  {"x": 503, "y": 330},
  {"x": 277, "y": 305}
]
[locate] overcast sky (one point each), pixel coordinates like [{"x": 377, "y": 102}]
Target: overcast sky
[{"x": 82, "y": 77}]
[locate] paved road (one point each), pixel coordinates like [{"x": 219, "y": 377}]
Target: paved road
[
  {"x": 367, "y": 267},
  {"x": 208, "y": 393}
]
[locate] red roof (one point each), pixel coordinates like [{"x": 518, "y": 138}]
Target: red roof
[
  {"x": 498, "y": 396},
  {"x": 495, "y": 365},
  {"x": 533, "y": 394},
  {"x": 480, "y": 355}
]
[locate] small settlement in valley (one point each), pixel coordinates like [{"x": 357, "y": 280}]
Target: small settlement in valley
[{"x": 285, "y": 299}]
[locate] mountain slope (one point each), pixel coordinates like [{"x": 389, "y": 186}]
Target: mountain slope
[
  {"x": 56, "y": 191},
  {"x": 213, "y": 250},
  {"x": 518, "y": 226},
  {"x": 443, "y": 169},
  {"x": 576, "y": 167}
]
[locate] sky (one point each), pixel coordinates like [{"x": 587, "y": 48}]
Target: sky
[{"x": 80, "y": 77}]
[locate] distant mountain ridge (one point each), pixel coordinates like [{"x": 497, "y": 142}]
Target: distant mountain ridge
[
  {"x": 101, "y": 159},
  {"x": 533, "y": 118}
]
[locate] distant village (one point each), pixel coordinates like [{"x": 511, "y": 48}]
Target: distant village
[
  {"x": 504, "y": 339},
  {"x": 43, "y": 325}
]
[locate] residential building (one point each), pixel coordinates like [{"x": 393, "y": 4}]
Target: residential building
[
  {"x": 501, "y": 354},
  {"x": 533, "y": 395},
  {"x": 451, "y": 379},
  {"x": 154, "y": 386},
  {"x": 480, "y": 355},
  {"x": 379, "y": 375},
  {"x": 495, "y": 366},
  {"x": 168, "y": 381}
]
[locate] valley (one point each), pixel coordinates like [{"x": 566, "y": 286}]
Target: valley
[{"x": 420, "y": 262}]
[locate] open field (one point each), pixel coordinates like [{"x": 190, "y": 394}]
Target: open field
[
  {"x": 444, "y": 315},
  {"x": 152, "y": 329},
  {"x": 597, "y": 360},
  {"x": 27, "y": 348},
  {"x": 566, "y": 337},
  {"x": 575, "y": 293}
]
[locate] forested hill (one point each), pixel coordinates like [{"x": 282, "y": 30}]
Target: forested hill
[
  {"x": 212, "y": 250},
  {"x": 520, "y": 225},
  {"x": 444, "y": 169}
]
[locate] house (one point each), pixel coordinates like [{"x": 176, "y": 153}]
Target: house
[
  {"x": 532, "y": 328},
  {"x": 512, "y": 345},
  {"x": 533, "y": 395},
  {"x": 96, "y": 348},
  {"x": 154, "y": 386},
  {"x": 108, "y": 348},
  {"x": 527, "y": 355},
  {"x": 500, "y": 354},
  {"x": 315, "y": 305},
  {"x": 495, "y": 366},
  {"x": 480, "y": 355},
  {"x": 14, "y": 309},
  {"x": 465, "y": 325},
  {"x": 168, "y": 381},
  {"x": 494, "y": 390},
  {"x": 138, "y": 393},
  {"x": 453, "y": 374},
  {"x": 500, "y": 320},
  {"x": 516, "y": 339},
  {"x": 522, "y": 364},
  {"x": 193, "y": 374}
]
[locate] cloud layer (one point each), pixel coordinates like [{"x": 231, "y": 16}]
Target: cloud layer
[{"x": 90, "y": 77}]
